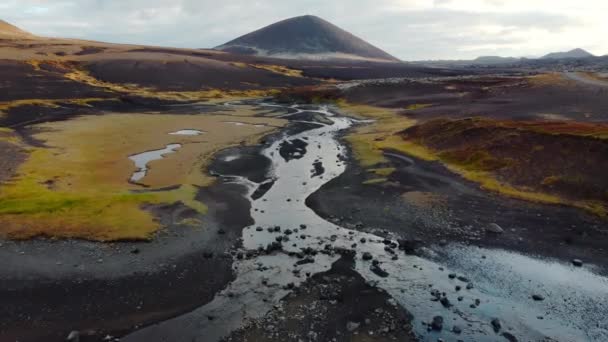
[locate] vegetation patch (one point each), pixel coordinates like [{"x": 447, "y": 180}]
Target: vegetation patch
[
  {"x": 417, "y": 106},
  {"x": 279, "y": 69},
  {"x": 75, "y": 72},
  {"x": 54, "y": 103},
  {"x": 77, "y": 185},
  {"x": 550, "y": 162}
]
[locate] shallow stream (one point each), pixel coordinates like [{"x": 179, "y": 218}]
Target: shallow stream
[{"x": 491, "y": 283}]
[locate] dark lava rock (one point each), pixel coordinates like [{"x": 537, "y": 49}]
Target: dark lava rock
[
  {"x": 409, "y": 246},
  {"x": 452, "y": 275},
  {"x": 318, "y": 169},
  {"x": 496, "y": 325},
  {"x": 302, "y": 226},
  {"x": 463, "y": 279},
  {"x": 274, "y": 246},
  {"x": 509, "y": 337},
  {"x": 294, "y": 149},
  {"x": 259, "y": 229},
  {"x": 135, "y": 251},
  {"x": 445, "y": 302},
  {"x": 305, "y": 261},
  {"x": 437, "y": 323},
  {"x": 379, "y": 271},
  {"x": 538, "y": 297},
  {"x": 457, "y": 330},
  {"x": 367, "y": 256},
  {"x": 288, "y": 232},
  {"x": 494, "y": 228},
  {"x": 577, "y": 262},
  {"x": 363, "y": 240}
]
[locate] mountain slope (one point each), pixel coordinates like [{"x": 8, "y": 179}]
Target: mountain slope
[
  {"x": 576, "y": 53},
  {"x": 305, "y": 37},
  {"x": 10, "y": 31}
]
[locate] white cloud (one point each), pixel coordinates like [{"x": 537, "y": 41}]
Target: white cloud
[{"x": 409, "y": 29}]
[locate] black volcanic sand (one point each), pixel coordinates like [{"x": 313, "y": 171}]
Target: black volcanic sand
[
  {"x": 337, "y": 305},
  {"x": 21, "y": 81},
  {"x": 486, "y": 96},
  {"x": 49, "y": 288},
  {"x": 457, "y": 211},
  {"x": 190, "y": 74}
]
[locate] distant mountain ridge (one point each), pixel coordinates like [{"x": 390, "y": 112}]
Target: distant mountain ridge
[
  {"x": 554, "y": 58},
  {"x": 576, "y": 53},
  {"x": 305, "y": 37},
  {"x": 11, "y": 31}
]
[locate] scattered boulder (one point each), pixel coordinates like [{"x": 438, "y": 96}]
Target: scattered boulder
[
  {"x": 73, "y": 336},
  {"x": 496, "y": 325},
  {"x": 577, "y": 262},
  {"x": 494, "y": 228},
  {"x": 367, "y": 256},
  {"x": 445, "y": 302},
  {"x": 352, "y": 326},
  {"x": 538, "y": 297},
  {"x": 437, "y": 323},
  {"x": 457, "y": 330},
  {"x": 509, "y": 337},
  {"x": 379, "y": 271}
]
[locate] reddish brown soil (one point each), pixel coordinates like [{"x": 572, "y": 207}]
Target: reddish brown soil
[{"x": 553, "y": 157}]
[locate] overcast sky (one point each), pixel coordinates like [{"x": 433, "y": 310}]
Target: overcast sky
[{"x": 408, "y": 29}]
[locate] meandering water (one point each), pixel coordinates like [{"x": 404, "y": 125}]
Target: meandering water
[
  {"x": 502, "y": 283},
  {"x": 141, "y": 160}
]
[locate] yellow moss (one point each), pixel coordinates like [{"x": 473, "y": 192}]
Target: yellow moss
[
  {"x": 550, "y": 180},
  {"x": 488, "y": 181},
  {"x": 279, "y": 69},
  {"x": 375, "y": 181},
  {"x": 49, "y": 103},
  {"x": 384, "y": 172},
  {"x": 370, "y": 141},
  {"x": 82, "y": 76},
  {"x": 417, "y": 106},
  {"x": 77, "y": 187},
  {"x": 367, "y": 141},
  {"x": 35, "y": 64}
]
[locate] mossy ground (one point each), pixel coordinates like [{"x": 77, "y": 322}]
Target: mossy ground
[
  {"x": 77, "y": 186},
  {"x": 370, "y": 141}
]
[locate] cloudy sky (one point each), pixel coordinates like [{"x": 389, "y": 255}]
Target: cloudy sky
[{"x": 408, "y": 29}]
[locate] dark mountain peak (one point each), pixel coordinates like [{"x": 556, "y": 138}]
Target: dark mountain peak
[
  {"x": 576, "y": 53},
  {"x": 305, "y": 37}
]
